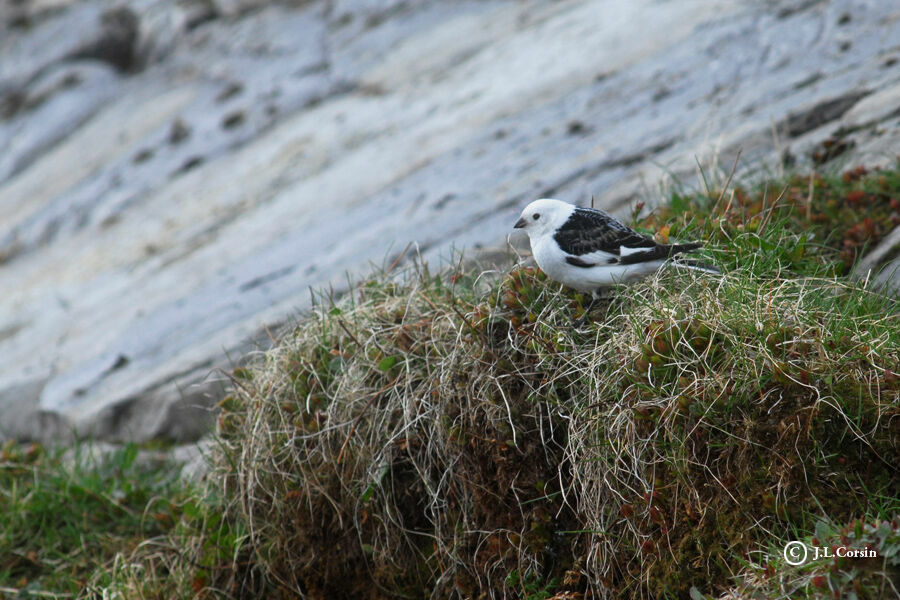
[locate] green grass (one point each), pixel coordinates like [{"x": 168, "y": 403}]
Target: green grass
[
  {"x": 449, "y": 435},
  {"x": 66, "y": 515},
  {"x": 85, "y": 522}
]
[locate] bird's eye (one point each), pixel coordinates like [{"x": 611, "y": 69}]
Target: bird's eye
[{"x": 536, "y": 216}]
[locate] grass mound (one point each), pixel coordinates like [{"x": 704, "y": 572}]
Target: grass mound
[
  {"x": 409, "y": 454},
  {"x": 448, "y": 436}
]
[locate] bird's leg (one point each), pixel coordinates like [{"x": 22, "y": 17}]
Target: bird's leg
[{"x": 596, "y": 295}]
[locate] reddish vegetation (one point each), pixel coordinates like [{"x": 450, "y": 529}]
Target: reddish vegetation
[{"x": 845, "y": 215}]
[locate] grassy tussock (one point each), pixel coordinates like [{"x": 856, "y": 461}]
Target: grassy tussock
[
  {"x": 399, "y": 434},
  {"x": 460, "y": 438},
  {"x": 728, "y": 426},
  {"x": 434, "y": 443}
]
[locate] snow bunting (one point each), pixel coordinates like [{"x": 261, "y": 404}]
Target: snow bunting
[{"x": 589, "y": 250}]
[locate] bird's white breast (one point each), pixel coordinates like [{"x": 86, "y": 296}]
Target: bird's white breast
[{"x": 552, "y": 261}]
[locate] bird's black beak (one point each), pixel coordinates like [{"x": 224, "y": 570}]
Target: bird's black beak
[{"x": 520, "y": 223}]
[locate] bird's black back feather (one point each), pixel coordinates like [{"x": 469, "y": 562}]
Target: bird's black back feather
[{"x": 589, "y": 230}]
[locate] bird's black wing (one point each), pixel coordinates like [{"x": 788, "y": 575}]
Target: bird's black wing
[
  {"x": 591, "y": 237},
  {"x": 589, "y": 230}
]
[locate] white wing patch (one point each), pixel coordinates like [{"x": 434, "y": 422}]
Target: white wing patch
[
  {"x": 599, "y": 258},
  {"x": 625, "y": 250}
]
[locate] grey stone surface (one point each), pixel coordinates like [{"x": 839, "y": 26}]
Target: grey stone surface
[
  {"x": 881, "y": 266},
  {"x": 176, "y": 174},
  {"x": 191, "y": 459}
]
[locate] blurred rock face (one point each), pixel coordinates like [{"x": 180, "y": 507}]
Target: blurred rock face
[{"x": 176, "y": 174}]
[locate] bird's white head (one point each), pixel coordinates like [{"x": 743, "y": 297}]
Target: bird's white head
[{"x": 544, "y": 216}]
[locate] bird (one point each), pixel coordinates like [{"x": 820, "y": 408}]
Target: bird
[{"x": 591, "y": 251}]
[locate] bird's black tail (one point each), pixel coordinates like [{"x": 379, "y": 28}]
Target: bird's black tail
[
  {"x": 674, "y": 249},
  {"x": 695, "y": 265},
  {"x": 687, "y": 263}
]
